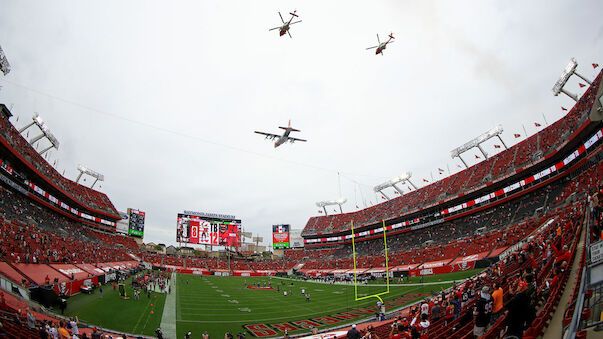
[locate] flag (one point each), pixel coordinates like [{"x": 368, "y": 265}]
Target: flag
[
  {"x": 496, "y": 146},
  {"x": 595, "y": 65},
  {"x": 477, "y": 157},
  {"x": 459, "y": 166},
  {"x": 581, "y": 85},
  {"x": 27, "y": 134},
  {"x": 396, "y": 192},
  {"x": 563, "y": 108},
  {"x": 410, "y": 189},
  {"x": 63, "y": 172},
  {"x": 537, "y": 124},
  {"x": 441, "y": 170},
  {"x": 357, "y": 206},
  {"x": 516, "y": 135},
  {"x": 55, "y": 163},
  {"x": 17, "y": 119},
  {"x": 334, "y": 210},
  {"x": 319, "y": 211},
  {"x": 425, "y": 180},
  {"x": 382, "y": 197}
]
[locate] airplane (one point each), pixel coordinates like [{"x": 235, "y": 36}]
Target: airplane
[
  {"x": 281, "y": 139},
  {"x": 285, "y": 27},
  {"x": 382, "y": 45}
]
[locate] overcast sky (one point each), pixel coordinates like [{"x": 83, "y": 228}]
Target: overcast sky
[{"x": 162, "y": 97}]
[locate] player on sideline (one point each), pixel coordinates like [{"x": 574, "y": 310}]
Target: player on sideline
[
  {"x": 285, "y": 293},
  {"x": 303, "y": 291},
  {"x": 307, "y": 297}
]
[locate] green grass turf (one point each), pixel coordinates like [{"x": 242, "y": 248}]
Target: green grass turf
[
  {"x": 117, "y": 314},
  {"x": 205, "y": 303}
]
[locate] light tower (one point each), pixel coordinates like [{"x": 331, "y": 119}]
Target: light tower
[
  {"x": 401, "y": 179},
  {"x": 37, "y": 121},
  {"x": 495, "y": 131},
  {"x": 569, "y": 70},
  {"x": 324, "y": 204},
  {"x": 85, "y": 170}
]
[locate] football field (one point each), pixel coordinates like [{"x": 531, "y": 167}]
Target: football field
[{"x": 219, "y": 304}]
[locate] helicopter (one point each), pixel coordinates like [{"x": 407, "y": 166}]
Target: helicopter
[
  {"x": 286, "y": 25},
  {"x": 382, "y": 45}
]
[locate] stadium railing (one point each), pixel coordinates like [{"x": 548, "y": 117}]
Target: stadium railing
[{"x": 585, "y": 311}]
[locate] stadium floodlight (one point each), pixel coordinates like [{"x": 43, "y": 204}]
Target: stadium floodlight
[
  {"x": 324, "y": 204},
  {"x": 4, "y": 65},
  {"x": 493, "y": 132},
  {"x": 85, "y": 170},
  {"x": 257, "y": 240},
  {"x": 46, "y": 133},
  {"x": 569, "y": 70},
  {"x": 401, "y": 179}
]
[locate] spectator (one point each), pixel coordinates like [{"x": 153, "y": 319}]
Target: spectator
[
  {"x": 517, "y": 309},
  {"x": 449, "y": 309},
  {"x": 64, "y": 334},
  {"x": 397, "y": 332},
  {"x": 73, "y": 326},
  {"x": 435, "y": 311},
  {"x": 425, "y": 307},
  {"x": 564, "y": 256},
  {"x": 482, "y": 312},
  {"x": 457, "y": 306},
  {"x": 370, "y": 333},
  {"x": 532, "y": 295},
  {"x": 96, "y": 334},
  {"x": 353, "y": 333},
  {"x": 497, "y": 297},
  {"x": 42, "y": 332}
]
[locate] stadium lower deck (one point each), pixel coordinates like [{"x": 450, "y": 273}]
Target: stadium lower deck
[{"x": 529, "y": 240}]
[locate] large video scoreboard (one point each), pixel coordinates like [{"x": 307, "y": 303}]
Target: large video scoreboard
[
  {"x": 208, "y": 229},
  {"x": 280, "y": 236},
  {"x": 136, "y": 222}
]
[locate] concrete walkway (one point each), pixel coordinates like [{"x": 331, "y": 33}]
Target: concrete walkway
[
  {"x": 168, "y": 318},
  {"x": 555, "y": 324}
]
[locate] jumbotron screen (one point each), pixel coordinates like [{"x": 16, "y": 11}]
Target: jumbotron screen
[
  {"x": 208, "y": 230},
  {"x": 280, "y": 236},
  {"x": 136, "y": 222}
]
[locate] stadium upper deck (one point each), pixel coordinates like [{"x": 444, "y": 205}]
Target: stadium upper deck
[
  {"x": 21, "y": 151},
  {"x": 520, "y": 158}
]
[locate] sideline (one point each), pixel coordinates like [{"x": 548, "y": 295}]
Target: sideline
[{"x": 168, "y": 318}]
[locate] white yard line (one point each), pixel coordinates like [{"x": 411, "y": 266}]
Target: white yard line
[{"x": 168, "y": 318}]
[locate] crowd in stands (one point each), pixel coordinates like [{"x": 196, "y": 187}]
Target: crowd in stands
[
  {"x": 84, "y": 195},
  {"x": 505, "y": 163},
  {"x": 34, "y": 234}
]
